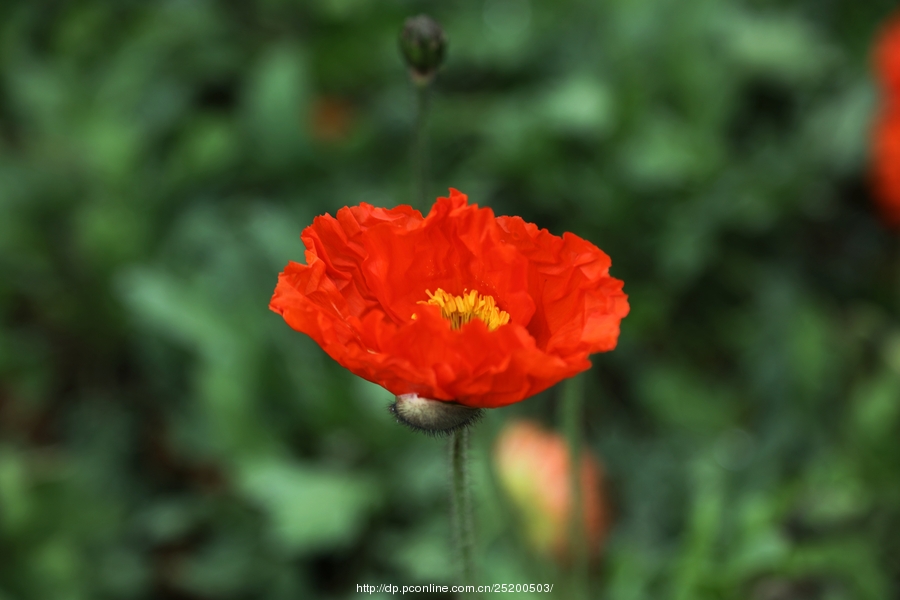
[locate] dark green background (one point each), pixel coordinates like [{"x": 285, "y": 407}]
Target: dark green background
[{"x": 163, "y": 435}]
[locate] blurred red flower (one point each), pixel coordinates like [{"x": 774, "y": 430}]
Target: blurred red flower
[
  {"x": 886, "y": 131},
  {"x": 887, "y": 56},
  {"x": 533, "y": 468},
  {"x": 886, "y": 164},
  {"x": 459, "y": 305}
]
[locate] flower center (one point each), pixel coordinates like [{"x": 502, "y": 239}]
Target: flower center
[{"x": 459, "y": 310}]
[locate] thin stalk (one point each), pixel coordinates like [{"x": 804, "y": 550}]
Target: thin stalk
[
  {"x": 573, "y": 394},
  {"x": 462, "y": 503},
  {"x": 419, "y": 148}
]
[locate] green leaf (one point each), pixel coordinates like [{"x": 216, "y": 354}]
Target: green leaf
[{"x": 308, "y": 508}]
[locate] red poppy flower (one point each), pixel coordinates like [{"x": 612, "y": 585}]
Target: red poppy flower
[
  {"x": 887, "y": 56},
  {"x": 886, "y": 164},
  {"x": 457, "y": 306},
  {"x": 886, "y": 130}
]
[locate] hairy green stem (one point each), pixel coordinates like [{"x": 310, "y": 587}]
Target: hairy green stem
[
  {"x": 462, "y": 503},
  {"x": 420, "y": 146},
  {"x": 573, "y": 394}
]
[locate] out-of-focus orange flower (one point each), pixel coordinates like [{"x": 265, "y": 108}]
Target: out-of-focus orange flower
[
  {"x": 331, "y": 119},
  {"x": 533, "y": 468},
  {"x": 886, "y": 129},
  {"x": 457, "y": 306}
]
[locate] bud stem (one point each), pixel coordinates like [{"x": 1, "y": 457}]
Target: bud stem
[
  {"x": 573, "y": 391},
  {"x": 462, "y": 503},
  {"x": 420, "y": 144}
]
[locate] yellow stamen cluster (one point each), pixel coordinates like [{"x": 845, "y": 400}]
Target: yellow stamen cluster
[{"x": 459, "y": 310}]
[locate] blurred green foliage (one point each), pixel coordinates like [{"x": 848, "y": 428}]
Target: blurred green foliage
[{"x": 163, "y": 435}]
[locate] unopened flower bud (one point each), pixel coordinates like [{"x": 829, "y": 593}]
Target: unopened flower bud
[
  {"x": 423, "y": 45},
  {"x": 533, "y": 468},
  {"x": 434, "y": 417}
]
